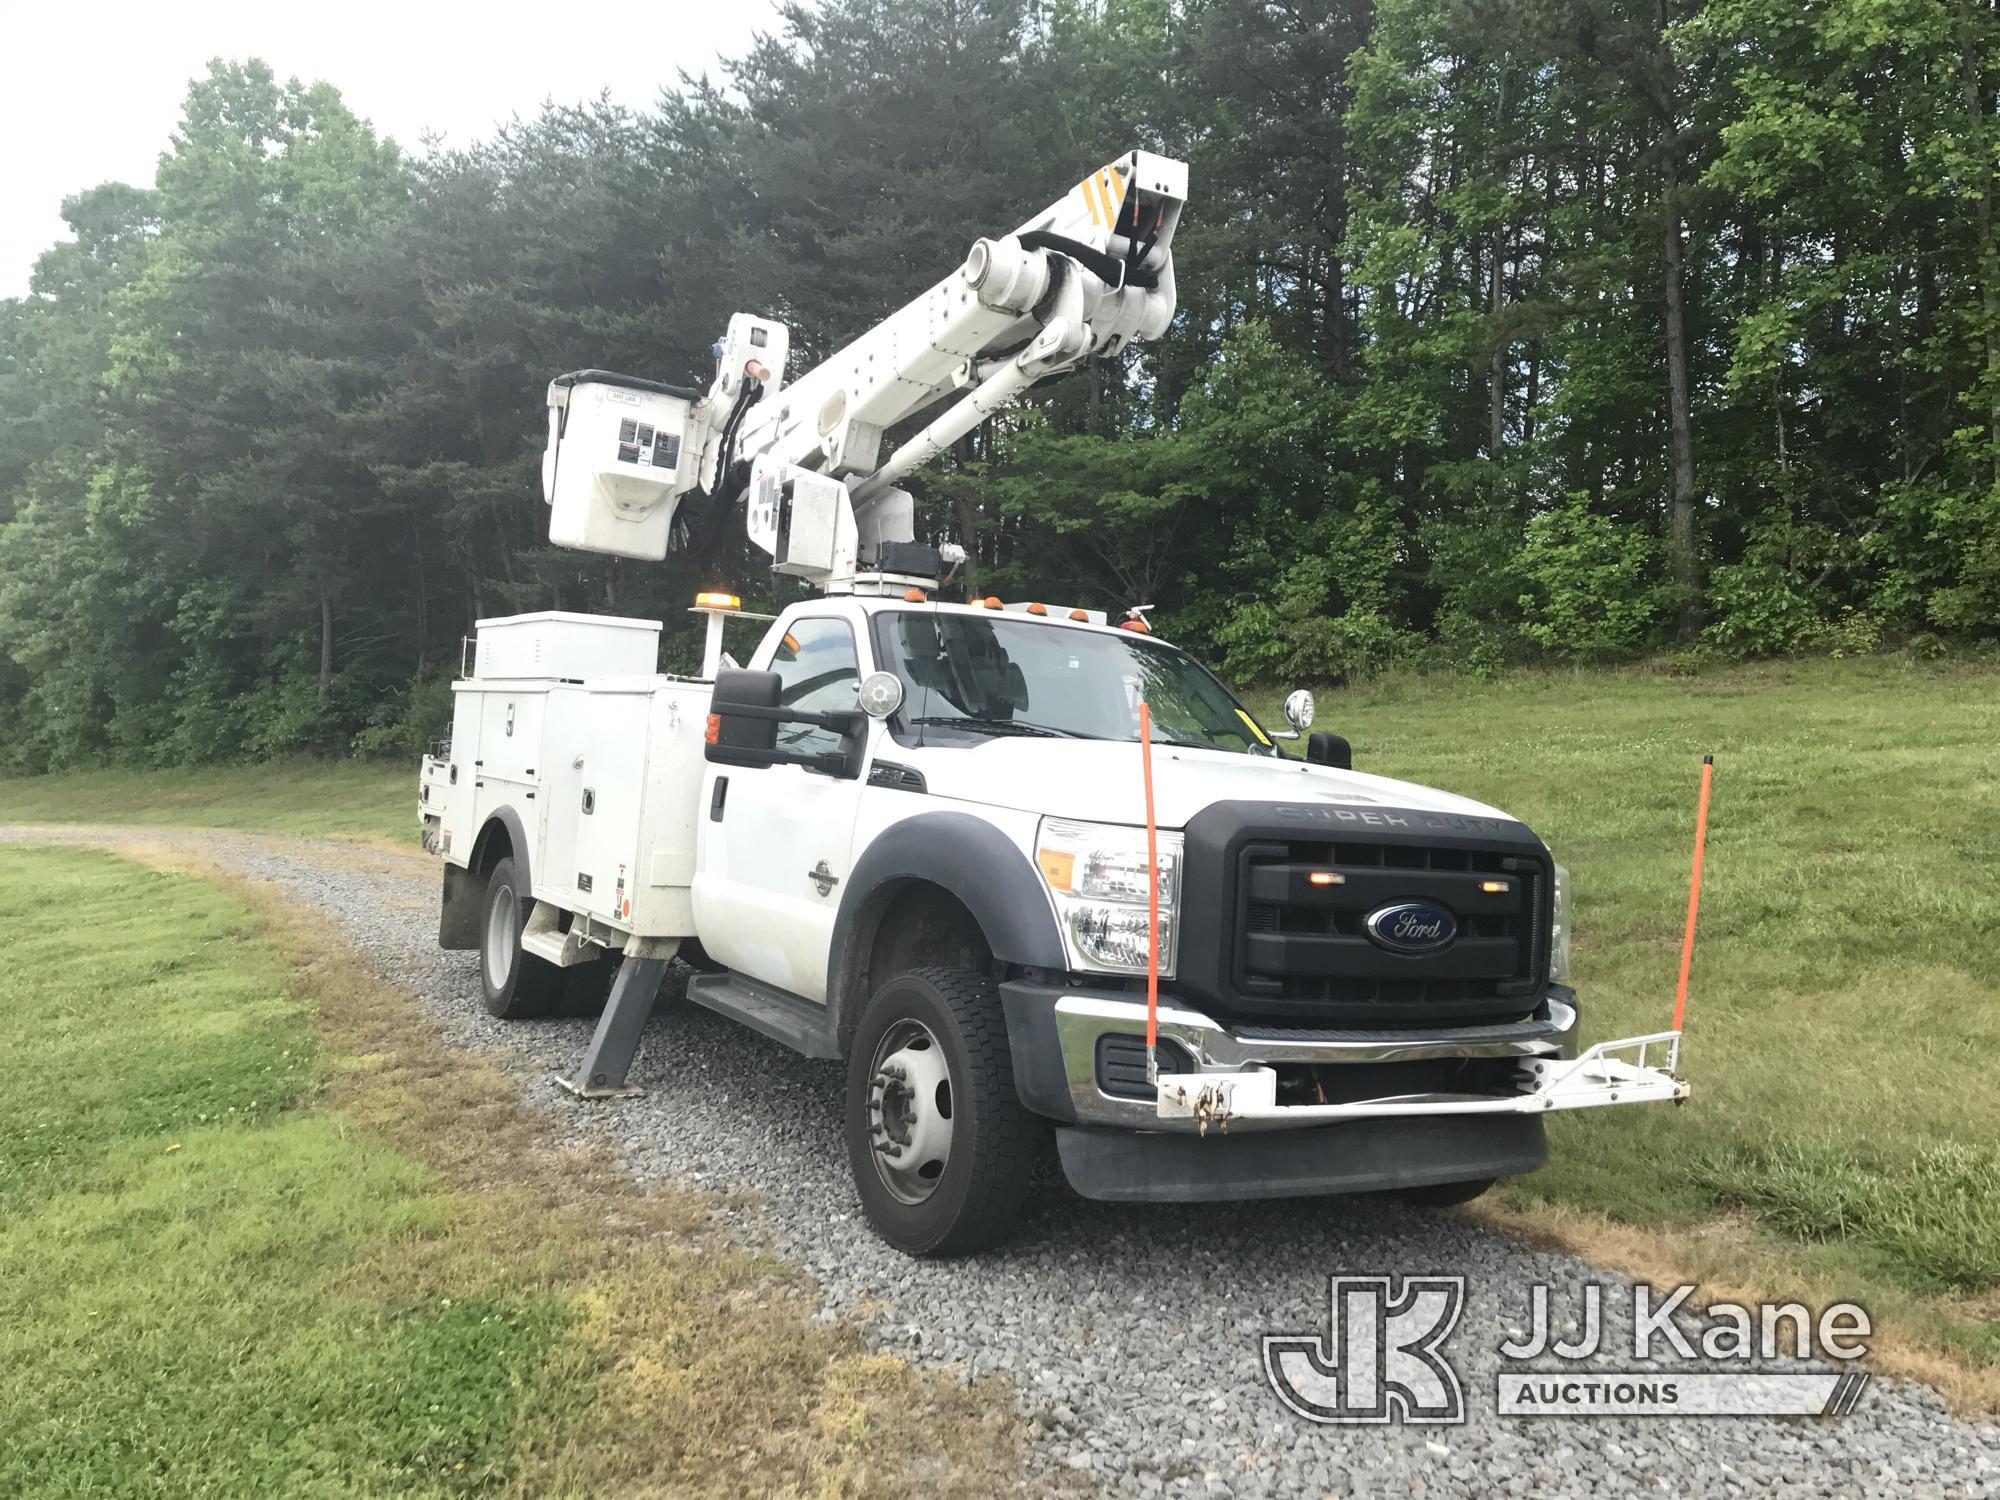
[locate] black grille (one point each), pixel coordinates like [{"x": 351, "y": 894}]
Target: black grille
[
  {"x": 1294, "y": 949},
  {"x": 1305, "y": 944}
]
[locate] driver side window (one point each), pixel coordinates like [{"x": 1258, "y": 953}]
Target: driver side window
[{"x": 819, "y": 672}]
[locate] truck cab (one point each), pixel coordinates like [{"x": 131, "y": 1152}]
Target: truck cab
[{"x": 925, "y": 839}]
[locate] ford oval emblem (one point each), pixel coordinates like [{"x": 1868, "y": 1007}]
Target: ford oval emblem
[{"x": 1411, "y": 927}]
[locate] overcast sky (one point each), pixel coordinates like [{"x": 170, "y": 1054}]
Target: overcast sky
[{"x": 90, "y": 89}]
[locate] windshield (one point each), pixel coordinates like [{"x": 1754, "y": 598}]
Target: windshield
[{"x": 967, "y": 675}]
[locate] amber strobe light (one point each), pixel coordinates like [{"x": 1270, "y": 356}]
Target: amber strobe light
[{"x": 709, "y": 599}]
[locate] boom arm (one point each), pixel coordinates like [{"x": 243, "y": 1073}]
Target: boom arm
[{"x": 1090, "y": 274}]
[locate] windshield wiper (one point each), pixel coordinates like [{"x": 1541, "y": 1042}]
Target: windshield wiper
[{"x": 1000, "y": 726}]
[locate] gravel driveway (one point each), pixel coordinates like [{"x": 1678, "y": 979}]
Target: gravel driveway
[{"x": 1131, "y": 1333}]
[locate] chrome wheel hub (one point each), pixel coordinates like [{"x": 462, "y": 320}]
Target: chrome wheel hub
[{"x": 910, "y": 1111}]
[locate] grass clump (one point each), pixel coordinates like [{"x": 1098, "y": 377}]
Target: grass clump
[{"x": 1933, "y": 1216}]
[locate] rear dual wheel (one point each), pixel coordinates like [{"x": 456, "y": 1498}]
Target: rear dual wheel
[
  {"x": 518, "y": 986},
  {"x": 522, "y": 986}
]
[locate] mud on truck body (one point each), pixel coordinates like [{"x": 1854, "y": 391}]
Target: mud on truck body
[{"x": 913, "y": 836}]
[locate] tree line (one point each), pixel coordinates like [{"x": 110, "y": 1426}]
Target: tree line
[{"x": 1510, "y": 331}]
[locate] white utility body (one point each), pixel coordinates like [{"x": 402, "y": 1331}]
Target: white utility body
[{"x": 914, "y": 835}]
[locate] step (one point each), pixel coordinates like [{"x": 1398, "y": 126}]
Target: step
[
  {"x": 800, "y": 1024},
  {"x": 544, "y": 938}
]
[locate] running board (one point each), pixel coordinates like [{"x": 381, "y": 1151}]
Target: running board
[{"x": 800, "y": 1024}]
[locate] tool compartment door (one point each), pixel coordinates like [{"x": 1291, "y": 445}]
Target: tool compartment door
[{"x": 606, "y": 795}]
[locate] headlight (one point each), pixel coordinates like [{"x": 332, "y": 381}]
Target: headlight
[
  {"x": 1097, "y": 874},
  {"x": 1559, "y": 930}
]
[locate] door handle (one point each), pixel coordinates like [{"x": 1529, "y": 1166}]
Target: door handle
[{"x": 716, "y": 798}]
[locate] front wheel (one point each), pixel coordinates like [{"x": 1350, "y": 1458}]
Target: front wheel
[
  {"x": 941, "y": 1146},
  {"x": 518, "y": 986}
]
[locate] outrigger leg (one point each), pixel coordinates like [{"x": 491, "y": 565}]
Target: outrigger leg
[{"x": 616, "y": 1041}]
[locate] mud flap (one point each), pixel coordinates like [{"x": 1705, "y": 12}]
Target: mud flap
[{"x": 461, "y": 910}]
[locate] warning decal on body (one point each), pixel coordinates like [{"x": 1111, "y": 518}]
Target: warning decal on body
[{"x": 640, "y": 443}]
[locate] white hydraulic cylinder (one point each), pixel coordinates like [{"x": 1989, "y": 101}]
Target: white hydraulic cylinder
[{"x": 992, "y": 394}]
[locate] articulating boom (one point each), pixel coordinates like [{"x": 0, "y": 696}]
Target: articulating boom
[{"x": 1090, "y": 274}]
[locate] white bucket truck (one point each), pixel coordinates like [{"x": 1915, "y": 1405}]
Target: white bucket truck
[{"x": 914, "y": 835}]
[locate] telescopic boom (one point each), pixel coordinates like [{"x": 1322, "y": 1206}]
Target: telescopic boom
[{"x": 1090, "y": 274}]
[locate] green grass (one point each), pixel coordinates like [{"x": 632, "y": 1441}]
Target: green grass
[
  {"x": 261, "y": 1233},
  {"x": 355, "y": 800},
  {"x": 1843, "y": 1028},
  {"x": 180, "y": 1229}
]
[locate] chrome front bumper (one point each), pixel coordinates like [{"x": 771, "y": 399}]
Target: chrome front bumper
[{"x": 1231, "y": 1083}]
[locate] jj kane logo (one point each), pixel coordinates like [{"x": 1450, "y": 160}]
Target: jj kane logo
[
  {"x": 1383, "y": 1358},
  {"x": 1380, "y": 1358}
]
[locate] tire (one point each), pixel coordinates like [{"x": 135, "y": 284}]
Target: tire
[
  {"x": 1446, "y": 1194},
  {"x": 517, "y": 986},
  {"x": 933, "y": 1043},
  {"x": 587, "y": 986}
]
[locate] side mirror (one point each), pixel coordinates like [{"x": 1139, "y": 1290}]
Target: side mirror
[
  {"x": 743, "y": 720},
  {"x": 1330, "y": 750},
  {"x": 733, "y": 733}
]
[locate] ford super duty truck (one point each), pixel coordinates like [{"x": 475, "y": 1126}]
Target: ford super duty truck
[{"x": 928, "y": 840}]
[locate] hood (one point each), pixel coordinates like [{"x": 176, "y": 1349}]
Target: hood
[{"x": 1099, "y": 781}]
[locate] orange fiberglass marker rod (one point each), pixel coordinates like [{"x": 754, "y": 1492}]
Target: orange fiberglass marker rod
[
  {"x": 1694, "y": 890},
  {"x": 1152, "y": 891}
]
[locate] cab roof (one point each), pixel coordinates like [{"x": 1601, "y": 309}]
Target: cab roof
[{"x": 1040, "y": 613}]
